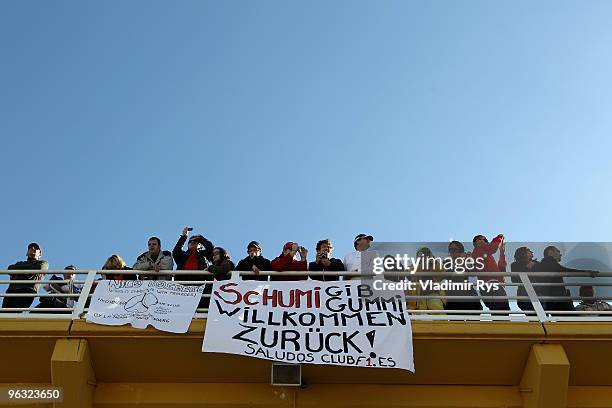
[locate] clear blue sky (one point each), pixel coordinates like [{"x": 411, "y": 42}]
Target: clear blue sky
[{"x": 287, "y": 120}]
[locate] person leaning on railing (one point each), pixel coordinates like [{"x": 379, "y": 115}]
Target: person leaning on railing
[
  {"x": 154, "y": 260},
  {"x": 59, "y": 288},
  {"x": 33, "y": 262},
  {"x": 551, "y": 263},
  {"x": 222, "y": 265},
  {"x": 254, "y": 262}
]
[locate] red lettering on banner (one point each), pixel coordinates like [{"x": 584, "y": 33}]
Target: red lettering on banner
[
  {"x": 272, "y": 297},
  {"x": 293, "y": 298},
  {"x": 224, "y": 288},
  {"x": 246, "y": 296}
]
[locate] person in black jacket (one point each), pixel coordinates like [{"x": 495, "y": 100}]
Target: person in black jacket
[
  {"x": 254, "y": 262},
  {"x": 550, "y": 263},
  {"x": 324, "y": 262},
  {"x": 33, "y": 262},
  {"x": 197, "y": 257},
  {"x": 221, "y": 266},
  {"x": 524, "y": 262}
]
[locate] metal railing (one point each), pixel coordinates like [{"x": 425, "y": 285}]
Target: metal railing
[{"x": 539, "y": 305}]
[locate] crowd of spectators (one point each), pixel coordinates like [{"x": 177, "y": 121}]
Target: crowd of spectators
[{"x": 202, "y": 255}]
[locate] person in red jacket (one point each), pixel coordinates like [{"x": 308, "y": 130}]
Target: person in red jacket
[
  {"x": 485, "y": 250},
  {"x": 286, "y": 261}
]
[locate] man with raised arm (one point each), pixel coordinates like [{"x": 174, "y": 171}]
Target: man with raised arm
[
  {"x": 287, "y": 261},
  {"x": 197, "y": 257},
  {"x": 484, "y": 251}
]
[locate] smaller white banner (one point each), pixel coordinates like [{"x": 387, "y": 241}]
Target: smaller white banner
[{"x": 165, "y": 305}]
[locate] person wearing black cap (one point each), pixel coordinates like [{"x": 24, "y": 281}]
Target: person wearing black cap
[
  {"x": 324, "y": 262},
  {"x": 254, "y": 262},
  {"x": 33, "y": 262},
  {"x": 362, "y": 254}
]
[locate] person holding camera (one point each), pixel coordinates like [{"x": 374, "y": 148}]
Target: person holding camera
[
  {"x": 287, "y": 261},
  {"x": 197, "y": 257},
  {"x": 324, "y": 262}
]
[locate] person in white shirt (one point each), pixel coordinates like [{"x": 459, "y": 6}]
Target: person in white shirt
[{"x": 362, "y": 255}]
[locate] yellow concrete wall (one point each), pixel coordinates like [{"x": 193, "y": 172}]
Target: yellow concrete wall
[{"x": 458, "y": 364}]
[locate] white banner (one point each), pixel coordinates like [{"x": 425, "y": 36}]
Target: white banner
[
  {"x": 338, "y": 323},
  {"x": 166, "y": 305}
]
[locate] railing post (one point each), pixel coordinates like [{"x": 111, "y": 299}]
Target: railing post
[
  {"x": 78, "y": 309},
  {"x": 533, "y": 297}
]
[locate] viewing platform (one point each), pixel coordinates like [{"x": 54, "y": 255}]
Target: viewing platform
[{"x": 508, "y": 359}]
